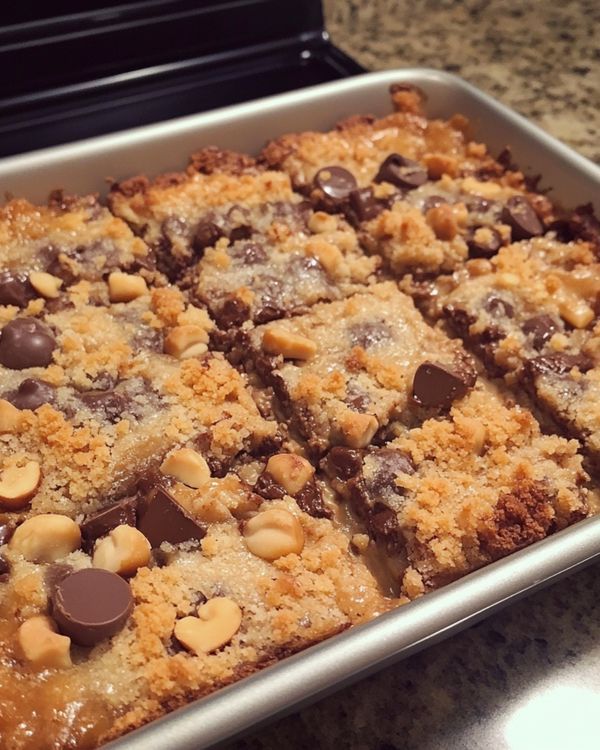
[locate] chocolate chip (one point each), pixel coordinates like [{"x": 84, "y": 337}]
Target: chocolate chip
[
  {"x": 206, "y": 235},
  {"x": 99, "y": 524},
  {"x": 389, "y": 463},
  {"x": 541, "y": 328},
  {"x": 521, "y": 218},
  {"x": 433, "y": 201},
  {"x": 233, "y": 312},
  {"x": 243, "y": 232},
  {"x": 25, "y": 342},
  {"x": 310, "y": 500},
  {"x": 483, "y": 242},
  {"x": 356, "y": 398},
  {"x": 250, "y": 253},
  {"x": 162, "y": 519},
  {"x": 111, "y": 404},
  {"x": 499, "y": 307},
  {"x": 4, "y": 569},
  {"x": 15, "y": 289},
  {"x": 335, "y": 182},
  {"x": 369, "y": 334},
  {"x": 30, "y": 394},
  {"x": 91, "y": 604},
  {"x": 343, "y": 463},
  {"x": 436, "y": 385},
  {"x": 267, "y": 487},
  {"x": 364, "y": 205},
  {"x": 384, "y": 526},
  {"x": 559, "y": 363},
  {"x": 401, "y": 172}
]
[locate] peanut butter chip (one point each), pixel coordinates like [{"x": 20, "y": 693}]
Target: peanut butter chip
[
  {"x": 10, "y": 417},
  {"x": 18, "y": 485},
  {"x": 46, "y": 538},
  {"x": 186, "y": 341},
  {"x": 42, "y": 646},
  {"x": 187, "y": 466},
  {"x": 123, "y": 551},
  {"x": 125, "y": 287},
  {"x": 288, "y": 344},
  {"x": 218, "y": 621},
  {"x": 274, "y": 533},
  {"x": 290, "y": 471},
  {"x": 45, "y": 284},
  {"x": 358, "y": 429}
]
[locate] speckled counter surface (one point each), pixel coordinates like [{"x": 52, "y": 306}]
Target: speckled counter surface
[
  {"x": 542, "y": 58},
  {"x": 527, "y": 678}
]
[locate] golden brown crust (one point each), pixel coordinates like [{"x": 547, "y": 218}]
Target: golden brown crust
[{"x": 521, "y": 517}]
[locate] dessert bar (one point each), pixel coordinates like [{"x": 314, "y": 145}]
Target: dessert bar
[{"x": 249, "y": 405}]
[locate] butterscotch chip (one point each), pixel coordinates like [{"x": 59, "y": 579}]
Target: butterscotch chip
[
  {"x": 288, "y": 344},
  {"x": 217, "y": 622},
  {"x": 123, "y": 551},
  {"x": 46, "y": 538},
  {"x": 42, "y": 646},
  {"x": 125, "y": 287},
  {"x": 45, "y": 283},
  {"x": 10, "y": 416},
  {"x": 290, "y": 471},
  {"x": 274, "y": 533},
  {"x": 187, "y": 466},
  {"x": 357, "y": 430},
  {"x": 18, "y": 484},
  {"x": 186, "y": 341}
]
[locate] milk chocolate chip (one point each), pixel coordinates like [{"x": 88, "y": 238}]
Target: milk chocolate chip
[
  {"x": 91, "y": 605},
  {"x": 25, "y": 342},
  {"x": 401, "y": 172},
  {"x": 483, "y": 242},
  {"x": 15, "y": 289},
  {"x": 343, "y": 463},
  {"x": 206, "y": 235},
  {"x": 436, "y": 385},
  {"x": 364, "y": 205},
  {"x": 162, "y": 519},
  {"x": 110, "y": 403},
  {"x": 30, "y": 394},
  {"x": 100, "y": 523},
  {"x": 336, "y": 182},
  {"x": 521, "y": 218},
  {"x": 541, "y": 328}
]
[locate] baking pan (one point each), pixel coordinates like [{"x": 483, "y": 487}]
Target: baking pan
[{"x": 572, "y": 179}]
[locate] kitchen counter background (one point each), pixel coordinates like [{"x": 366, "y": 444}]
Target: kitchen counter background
[
  {"x": 528, "y": 677},
  {"x": 542, "y": 58}
]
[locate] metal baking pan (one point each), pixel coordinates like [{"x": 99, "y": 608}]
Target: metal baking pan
[{"x": 300, "y": 679}]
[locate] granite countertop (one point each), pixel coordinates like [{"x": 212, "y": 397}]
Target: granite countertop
[
  {"x": 529, "y": 676},
  {"x": 541, "y": 58}
]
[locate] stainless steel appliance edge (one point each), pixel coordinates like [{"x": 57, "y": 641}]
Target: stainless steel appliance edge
[{"x": 83, "y": 166}]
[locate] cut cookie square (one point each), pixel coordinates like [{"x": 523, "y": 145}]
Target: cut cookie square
[
  {"x": 264, "y": 581},
  {"x": 95, "y": 395},
  {"x": 422, "y": 194},
  {"x": 43, "y": 248},
  {"x": 531, "y": 314},
  {"x": 461, "y": 490},
  {"x": 346, "y": 369}
]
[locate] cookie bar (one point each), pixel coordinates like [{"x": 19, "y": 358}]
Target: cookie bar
[
  {"x": 346, "y": 369},
  {"x": 462, "y": 490},
  {"x": 44, "y": 247},
  {"x": 246, "y": 244},
  {"x": 95, "y": 393},
  {"x": 423, "y": 195},
  {"x": 530, "y": 313},
  {"x": 264, "y": 580}
]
